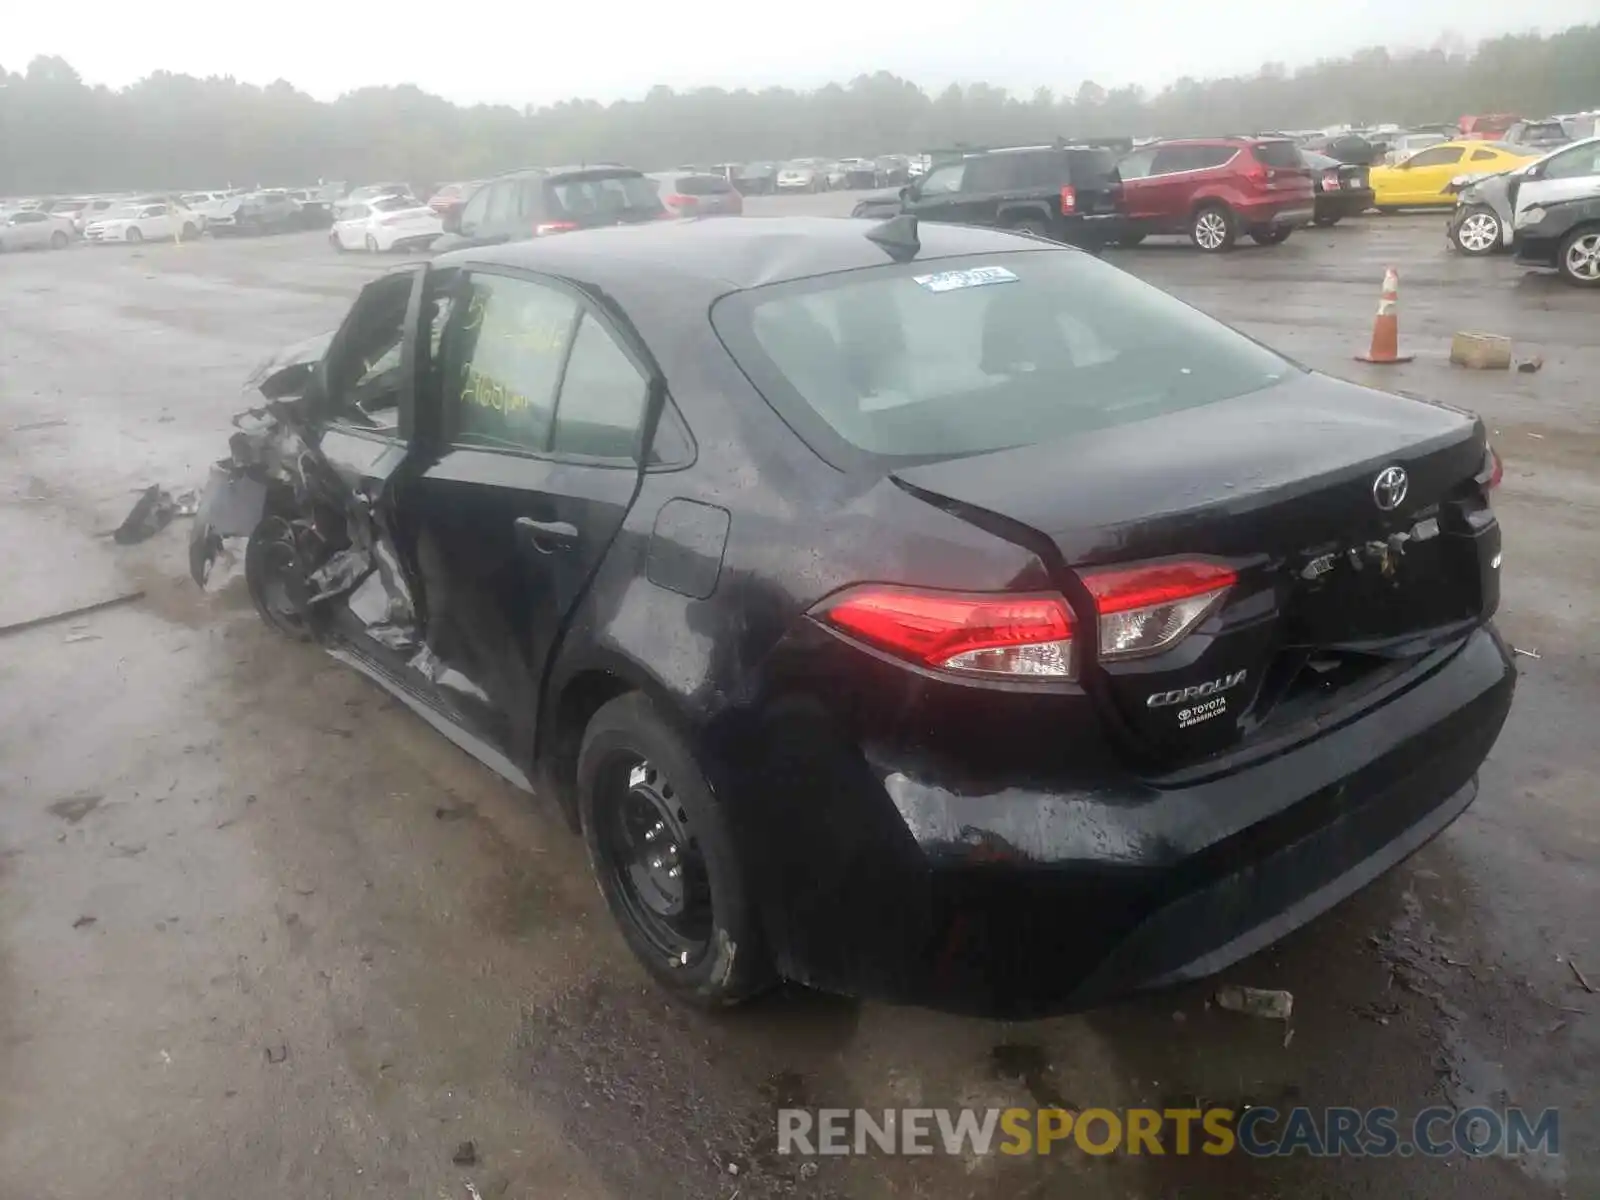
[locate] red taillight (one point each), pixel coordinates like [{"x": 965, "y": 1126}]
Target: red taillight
[
  {"x": 1144, "y": 610},
  {"x": 674, "y": 200},
  {"x": 545, "y": 228},
  {"x": 996, "y": 635},
  {"x": 1069, "y": 200}
]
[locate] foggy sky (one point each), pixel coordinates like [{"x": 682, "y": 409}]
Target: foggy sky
[{"x": 505, "y": 51}]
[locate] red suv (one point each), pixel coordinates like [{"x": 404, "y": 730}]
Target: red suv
[{"x": 1214, "y": 189}]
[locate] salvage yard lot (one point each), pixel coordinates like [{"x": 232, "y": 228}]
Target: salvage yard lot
[{"x": 264, "y": 934}]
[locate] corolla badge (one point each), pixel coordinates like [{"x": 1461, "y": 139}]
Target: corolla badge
[
  {"x": 1389, "y": 488},
  {"x": 1198, "y": 691}
]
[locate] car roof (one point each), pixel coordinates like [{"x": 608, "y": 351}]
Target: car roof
[{"x": 724, "y": 256}]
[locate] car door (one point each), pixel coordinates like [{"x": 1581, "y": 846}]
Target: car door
[
  {"x": 1423, "y": 177},
  {"x": 939, "y": 195},
  {"x": 1570, "y": 174},
  {"x": 29, "y": 231},
  {"x": 488, "y": 217},
  {"x": 542, "y": 403}
]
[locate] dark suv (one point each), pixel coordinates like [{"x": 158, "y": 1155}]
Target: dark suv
[
  {"x": 1214, "y": 189},
  {"x": 1066, "y": 193},
  {"x": 538, "y": 202}
]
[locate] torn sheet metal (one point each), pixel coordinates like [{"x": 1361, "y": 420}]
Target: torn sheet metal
[{"x": 328, "y": 532}]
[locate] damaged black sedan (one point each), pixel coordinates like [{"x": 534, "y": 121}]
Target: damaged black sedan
[{"x": 936, "y": 614}]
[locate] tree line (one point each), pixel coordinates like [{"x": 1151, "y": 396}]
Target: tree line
[{"x": 59, "y": 134}]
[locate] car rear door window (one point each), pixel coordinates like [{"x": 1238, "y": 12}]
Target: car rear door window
[
  {"x": 502, "y": 356},
  {"x": 602, "y": 397},
  {"x": 702, "y": 185}
]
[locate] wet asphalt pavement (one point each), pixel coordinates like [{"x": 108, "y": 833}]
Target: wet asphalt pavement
[{"x": 262, "y": 933}]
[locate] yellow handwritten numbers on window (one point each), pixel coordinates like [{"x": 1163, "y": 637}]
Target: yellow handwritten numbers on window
[{"x": 517, "y": 333}]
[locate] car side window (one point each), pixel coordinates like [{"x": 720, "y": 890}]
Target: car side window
[
  {"x": 1574, "y": 164},
  {"x": 502, "y": 204},
  {"x": 945, "y": 180},
  {"x": 1483, "y": 156},
  {"x": 1437, "y": 156},
  {"x": 992, "y": 173},
  {"x": 503, "y": 353},
  {"x": 603, "y": 397},
  {"x": 475, "y": 210},
  {"x": 1172, "y": 159},
  {"x": 1136, "y": 165},
  {"x": 530, "y": 200}
]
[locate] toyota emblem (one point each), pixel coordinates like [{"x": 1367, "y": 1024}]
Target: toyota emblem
[{"x": 1389, "y": 488}]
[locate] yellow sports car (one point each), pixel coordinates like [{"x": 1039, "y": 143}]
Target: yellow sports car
[{"x": 1424, "y": 177}]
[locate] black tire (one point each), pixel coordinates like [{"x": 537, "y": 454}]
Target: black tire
[
  {"x": 58, "y": 240},
  {"x": 1581, "y": 245},
  {"x": 333, "y": 240},
  {"x": 1326, "y": 222},
  {"x": 633, "y": 769},
  {"x": 1478, "y": 232},
  {"x": 1129, "y": 240},
  {"x": 134, "y": 234},
  {"x": 371, "y": 244},
  {"x": 1387, "y": 209},
  {"x": 1271, "y": 235},
  {"x": 1032, "y": 226},
  {"x": 189, "y": 231},
  {"x": 275, "y": 576},
  {"x": 1213, "y": 228}
]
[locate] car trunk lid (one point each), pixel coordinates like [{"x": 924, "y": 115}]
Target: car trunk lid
[{"x": 1281, "y": 486}]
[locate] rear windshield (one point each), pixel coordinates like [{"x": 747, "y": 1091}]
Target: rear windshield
[
  {"x": 958, "y": 356},
  {"x": 703, "y": 185},
  {"x": 587, "y": 196},
  {"x": 1277, "y": 154},
  {"x": 392, "y": 203}
]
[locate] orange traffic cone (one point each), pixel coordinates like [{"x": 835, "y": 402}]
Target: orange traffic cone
[{"x": 1386, "y": 325}]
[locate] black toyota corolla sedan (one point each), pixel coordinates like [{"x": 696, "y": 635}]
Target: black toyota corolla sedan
[{"x": 935, "y": 614}]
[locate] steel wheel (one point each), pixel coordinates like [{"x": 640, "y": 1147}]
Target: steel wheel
[
  {"x": 1212, "y": 230},
  {"x": 648, "y": 847},
  {"x": 1478, "y": 233},
  {"x": 1580, "y": 258}
]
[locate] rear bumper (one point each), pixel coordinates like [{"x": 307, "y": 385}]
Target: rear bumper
[
  {"x": 1345, "y": 203},
  {"x": 1007, "y": 898}
]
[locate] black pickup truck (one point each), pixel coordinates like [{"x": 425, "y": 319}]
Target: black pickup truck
[{"x": 1068, "y": 193}]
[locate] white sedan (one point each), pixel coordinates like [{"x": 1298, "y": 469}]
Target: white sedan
[
  {"x": 31, "y": 230},
  {"x": 145, "y": 223},
  {"x": 386, "y": 223}
]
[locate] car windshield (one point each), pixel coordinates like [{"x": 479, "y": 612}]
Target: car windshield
[
  {"x": 935, "y": 360},
  {"x": 121, "y": 213},
  {"x": 392, "y": 203}
]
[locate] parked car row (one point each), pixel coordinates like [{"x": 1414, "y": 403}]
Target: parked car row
[{"x": 1215, "y": 190}]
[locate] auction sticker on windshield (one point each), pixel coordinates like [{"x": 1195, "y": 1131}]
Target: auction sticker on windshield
[{"x": 949, "y": 281}]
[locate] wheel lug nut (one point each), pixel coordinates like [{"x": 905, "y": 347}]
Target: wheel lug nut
[
  {"x": 655, "y": 864},
  {"x": 674, "y": 872}
]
